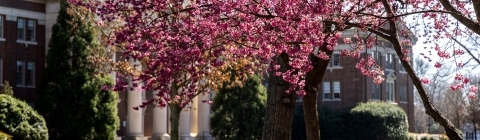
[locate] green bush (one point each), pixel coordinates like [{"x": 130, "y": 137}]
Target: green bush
[
  {"x": 238, "y": 111},
  {"x": 20, "y": 120},
  {"x": 377, "y": 121},
  {"x": 366, "y": 121}
]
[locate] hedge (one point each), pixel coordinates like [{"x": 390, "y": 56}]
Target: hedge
[
  {"x": 368, "y": 121},
  {"x": 20, "y": 120}
]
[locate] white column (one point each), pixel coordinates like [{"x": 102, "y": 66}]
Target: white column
[
  {"x": 51, "y": 12},
  {"x": 203, "y": 119},
  {"x": 134, "y": 117},
  {"x": 185, "y": 124},
  {"x": 160, "y": 122},
  {"x": 194, "y": 116}
]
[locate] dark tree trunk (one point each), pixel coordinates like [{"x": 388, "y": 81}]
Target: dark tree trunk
[
  {"x": 280, "y": 105},
  {"x": 175, "y": 121},
  {"x": 312, "y": 84}
]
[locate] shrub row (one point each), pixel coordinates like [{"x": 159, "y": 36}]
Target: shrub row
[
  {"x": 20, "y": 120},
  {"x": 367, "y": 121}
]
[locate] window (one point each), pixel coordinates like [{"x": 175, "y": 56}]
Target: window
[
  {"x": 1, "y": 71},
  {"x": 400, "y": 66},
  {"x": 336, "y": 90},
  {"x": 26, "y": 29},
  {"x": 1, "y": 26},
  {"x": 403, "y": 93},
  {"x": 20, "y": 73},
  {"x": 376, "y": 91},
  {"x": 30, "y": 74},
  {"x": 376, "y": 56},
  {"x": 326, "y": 91},
  {"x": 390, "y": 91},
  {"x": 335, "y": 60},
  {"x": 389, "y": 61},
  {"x": 25, "y": 73}
]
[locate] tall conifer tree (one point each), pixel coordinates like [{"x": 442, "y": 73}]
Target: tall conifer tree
[
  {"x": 71, "y": 97},
  {"x": 238, "y": 110}
]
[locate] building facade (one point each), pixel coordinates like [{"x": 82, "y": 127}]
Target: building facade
[
  {"x": 344, "y": 86},
  {"x": 22, "y": 46}
]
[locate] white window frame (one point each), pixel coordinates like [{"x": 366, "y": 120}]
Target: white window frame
[
  {"x": 32, "y": 84},
  {"x": 335, "y": 57},
  {"x": 22, "y": 70},
  {"x": 1, "y": 71},
  {"x": 24, "y": 74},
  {"x": 336, "y": 91},
  {"x": 403, "y": 94},
  {"x": 327, "y": 92},
  {"x": 2, "y": 27},
  {"x": 390, "y": 91},
  {"x": 376, "y": 92},
  {"x": 25, "y": 27},
  {"x": 389, "y": 61}
]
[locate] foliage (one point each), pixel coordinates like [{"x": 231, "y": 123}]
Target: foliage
[
  {"x": 238, "y": 111},
  {"x": 371, "y": 120},
  {"x": 6, "y": 89},
  {"x": 377, "y": 121},
  {"x": 4, "y": 136},
  {"x": 20, "y": 120},
  {"x": 72, "y": 100}
]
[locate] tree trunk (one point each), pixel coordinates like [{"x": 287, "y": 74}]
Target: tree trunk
[
  {"x": 280, "y": 105},
  {"x": 312, "y": 84},
  {"x": 175, "y": 121}
]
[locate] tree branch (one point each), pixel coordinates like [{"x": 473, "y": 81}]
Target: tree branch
[
  {"x": 468, "y": 50},
  {"x": 472, "y": 25}
]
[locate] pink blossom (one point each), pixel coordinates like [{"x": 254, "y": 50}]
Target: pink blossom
[
  {"x": 100, "y": 23},
  {"x": 425, "y": 80},
  {"x": 437, "y": 65},
  {"x": 347, "y": 40},
  {"x": 471, "y": 95},
  {"x": 458, "y": 76},
  {"x": 466, "y": 80},
  {"x": 473, "y": 88}
]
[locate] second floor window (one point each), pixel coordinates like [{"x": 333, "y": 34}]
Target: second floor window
[
  {"x": 25, "y": 73},
  {"x": 391, "y": 91},
  {"x": 335, "y": 60},
  {"x": 20, "y": 73},
  {"x": 326, "y": 91},
  {"x": 376, "y": 91},
  {"x": 26, "y": 29},
  {"x": 1, "y": 26},
  {"x": 1, "y": 71},
  {"x": 336, "y": 90},
  {"x": 389, "y": 61},
  {"x": 403, "y": 93},
  {"x": 328, "y": 87},
  {"x": 30, "y": 74}
]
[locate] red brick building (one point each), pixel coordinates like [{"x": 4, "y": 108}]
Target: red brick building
[
  {"x": 344, "y": 86},
  {"x": 22, "y": 45}
]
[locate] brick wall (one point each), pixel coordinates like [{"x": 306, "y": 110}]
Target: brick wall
[{"x": 11, "y": 51}]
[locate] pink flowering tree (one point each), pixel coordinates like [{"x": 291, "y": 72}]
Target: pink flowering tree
[{"x": 178, "y": 44}]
